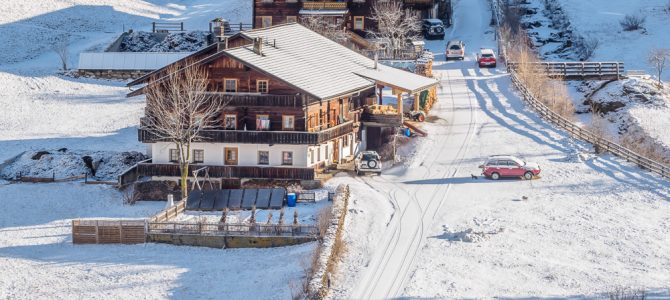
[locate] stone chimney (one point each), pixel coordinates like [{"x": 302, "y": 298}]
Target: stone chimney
[
  {"x": 222, "y": 45},
  {"x": 258, "y": 45}
]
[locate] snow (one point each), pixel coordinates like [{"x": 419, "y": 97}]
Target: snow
[
  {"x": 587, "y": 224},
  {"x": 39, "y": 260},
  {"x": 42, "y": 109},
  {"x": 600, "y": 19}
]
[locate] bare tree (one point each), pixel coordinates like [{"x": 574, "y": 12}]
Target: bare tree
[
  {"x": 395, "y": 26},
  {"x": 633, "y": 22},
  {"x": 329, "y": 27},
  {"x": 179, "y": 110},
  {"x": 61, "y": 48},
  {"x": 657, "y": 59}
]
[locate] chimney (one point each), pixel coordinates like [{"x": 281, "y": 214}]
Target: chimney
[
  {"x": 376, "y": 59},
  {"x": 222, "y": 45},
  {"x": 258, "y": 45}
]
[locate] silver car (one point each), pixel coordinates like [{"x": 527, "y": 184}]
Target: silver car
[
  {"x": 368, "y": 161},
  {"x": 455, "y": 49}
]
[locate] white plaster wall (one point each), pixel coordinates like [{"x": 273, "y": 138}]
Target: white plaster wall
[{"x": 248, "y": 153}]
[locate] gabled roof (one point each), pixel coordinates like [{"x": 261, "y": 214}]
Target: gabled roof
[{"x": 317, "y": 65}]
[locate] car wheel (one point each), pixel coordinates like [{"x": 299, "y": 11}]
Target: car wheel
[
  {"x": 495, "y": 176},
  {"x": 528, "y": 175}
]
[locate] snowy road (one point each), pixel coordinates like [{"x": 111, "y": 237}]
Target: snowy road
[{"x": 436, "y": 200}]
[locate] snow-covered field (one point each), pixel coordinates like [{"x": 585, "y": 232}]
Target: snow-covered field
[
  {"x": 44, "y": 110},
  {"x": 587, "y": 224}
]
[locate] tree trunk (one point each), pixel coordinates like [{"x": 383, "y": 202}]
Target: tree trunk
[{"x": 184, "y": 183}]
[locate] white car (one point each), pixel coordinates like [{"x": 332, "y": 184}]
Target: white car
[
  {"x": 368, "y": 161},
  {"x": 455, "y": 49}
]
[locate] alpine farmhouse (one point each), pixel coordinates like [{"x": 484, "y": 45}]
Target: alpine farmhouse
[{"x": 294, "y": 105}]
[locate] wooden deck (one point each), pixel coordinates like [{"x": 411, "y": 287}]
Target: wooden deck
[
  {"x": 263, "y": 137},
  {"x": 172, "y": 170}
]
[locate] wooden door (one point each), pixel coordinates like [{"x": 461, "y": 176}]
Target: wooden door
[{"x": 336, "y": 150}]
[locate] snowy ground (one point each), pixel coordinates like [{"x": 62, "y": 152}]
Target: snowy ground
[
  {"x": 598, "y": 20},
  {"x": 589, "y": 223},
  {"x": 39, "y": 261},
  {"x": 44, "y": 110}
]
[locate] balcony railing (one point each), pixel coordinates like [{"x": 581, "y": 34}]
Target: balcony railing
[
  {"x": 259, "y": 99},
  {"x": 382, "y": 119},
  {"x": 263, "y": 137},
  {"x": 324, "y": 5},
  {"x": 172, "y": 170},
  {"x": 419, "y": 2}
]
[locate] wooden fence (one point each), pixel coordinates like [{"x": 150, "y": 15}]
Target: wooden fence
[
  {"x": 311, "y": 196},
  {"x": 600, "y": 144},
  {"x": 108, "y": 231},
  {"x": 574, "y": 130},
  {"x": 576, "y": 70},
  {"x": 167, "y": 26},
  {"x": 169, "y": 213},
  {"x": 232, "y": 229}
]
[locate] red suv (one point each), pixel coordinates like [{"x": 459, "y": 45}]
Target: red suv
[
  {"x": 486, "y": 58},
  {"x": 509, "y": 166}
]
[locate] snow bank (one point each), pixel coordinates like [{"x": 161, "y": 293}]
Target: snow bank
[
  {"x": 39, "y": 260},
  {"x": 67, "y": 163},
  {"x": 141, "y": 41}
]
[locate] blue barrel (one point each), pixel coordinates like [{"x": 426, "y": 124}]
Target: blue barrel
[
  {"x": 408, "y": 132},
  {"x": 291, "y": 199}
]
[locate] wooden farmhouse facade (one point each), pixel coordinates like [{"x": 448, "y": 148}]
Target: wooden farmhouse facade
[
  {"x": 294, "y": 104},
  {"x": 353, "y": 14}
]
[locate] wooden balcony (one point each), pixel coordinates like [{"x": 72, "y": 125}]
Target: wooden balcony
[
  {"x": 383, "y": 120},
  {"x": 172, "y": 170},
  {"x": 419, "y": 4},
  {"x": 263, "y": 137},
  {"x": 259, "y": 100},
  {"x": 324, "y": 5}
]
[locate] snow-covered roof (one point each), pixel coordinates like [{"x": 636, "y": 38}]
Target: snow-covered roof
[
  {"x": 335, "y": 12},
  {"x": 128, "y": 60},
  {"x": 318, "y": 65}
]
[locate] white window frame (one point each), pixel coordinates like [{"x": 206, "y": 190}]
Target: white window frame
[
  {"x": 198, "y": 161},
  {"x": 283, "y": 162},
  {"x": 225, "y": 121},
  {"x": 362, "y": 22},
  {"x": 225, "y": 84},
  {"x": 284, "y": 122}
]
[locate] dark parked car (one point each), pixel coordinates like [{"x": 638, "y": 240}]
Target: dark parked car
[{"x": 433, "y": 28}]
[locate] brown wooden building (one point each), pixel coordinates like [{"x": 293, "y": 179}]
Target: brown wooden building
[
  {"x": 294, "y": 104},
  {"x": 354, "y": 14}
]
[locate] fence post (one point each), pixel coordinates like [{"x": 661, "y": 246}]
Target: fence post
[
  {"x": 182, "y": 26},
  {"x": 120, "y": 232},
  {"x": 73, "y": 235},
  {"x": 153, "y": 26},
  {"x": 97, "y": 233},
  {"x": 617, "y": 71}
]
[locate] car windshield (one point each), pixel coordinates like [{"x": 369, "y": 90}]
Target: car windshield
[{"x": 369, "y": 156}]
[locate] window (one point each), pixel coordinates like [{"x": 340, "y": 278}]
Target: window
[
  {"x": 359, "y": 23},
  {"x": 327, "y": 153},
  {"x": 263, "y": 157},
  {"x": 288, "y": 122},
  {"x": 311, "y": 156},
  {"x": 198, "y": 156},
  {"x": 266, "y": 21},
  {"x": 230, "y": 85},
  {"x": 287, "y": 158},
  {"x": 291, "y": 19},
  {"x": 345, "y": 141},
  {"x": 318, "y": 154},
  {"x": 263, "y": 122},
  {"x": 230, "y": 122},
  {"x": 174, "y": 155},
  {"x": 230, "y": 156},
  {"x": 262, "y": 86}
]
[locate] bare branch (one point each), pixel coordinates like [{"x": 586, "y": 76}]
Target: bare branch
[
  {"x": 395, "y": 26},
  {"x": 657, "y": 59},
  {"x": 326, "y": 26},
  {"x": 60, "y": 47},
  {"x": 179, "y": 109}
]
